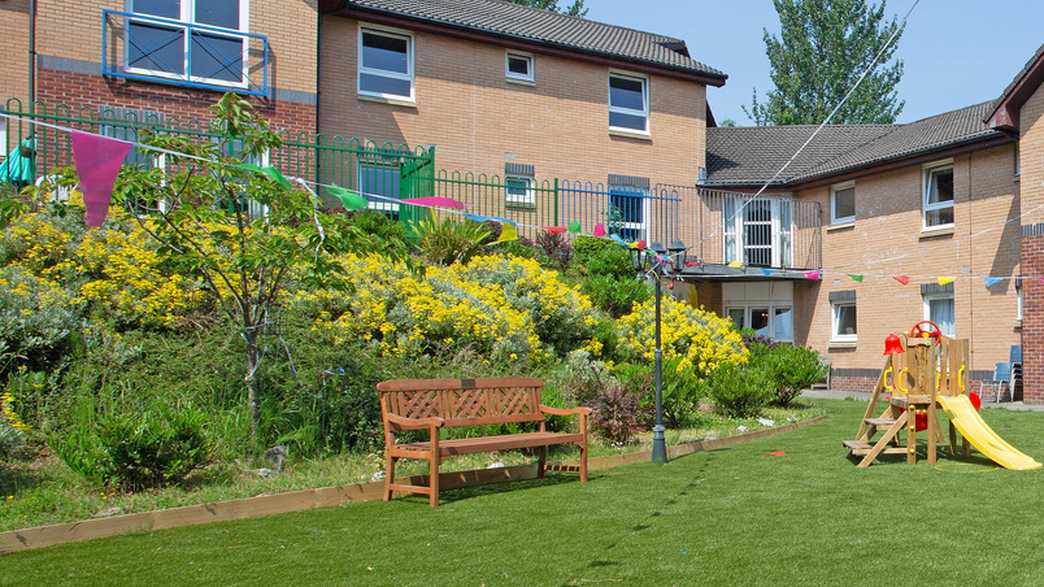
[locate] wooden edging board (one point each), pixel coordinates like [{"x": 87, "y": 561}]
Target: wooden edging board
[{"x": 307, "y": 499}]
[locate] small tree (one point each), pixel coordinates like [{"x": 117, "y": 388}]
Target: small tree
[
  {"x": 245, "y": 231},
  {"x": 577, "y": 8}
]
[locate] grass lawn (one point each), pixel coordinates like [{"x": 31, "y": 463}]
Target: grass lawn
[{"x": 734, "y": 516}]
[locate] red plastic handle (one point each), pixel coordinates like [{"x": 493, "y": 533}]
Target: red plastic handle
[{"x": 918, "y": 331}]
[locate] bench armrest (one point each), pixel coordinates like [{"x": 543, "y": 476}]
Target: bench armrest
[
  {"x": 565, "y": 411},
  {"x": 415, "y": 423}
]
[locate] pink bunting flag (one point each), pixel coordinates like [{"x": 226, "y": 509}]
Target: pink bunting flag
[
  {"x": 98, "y": 160},
  {"x": 814, "y": 275},
  {"x": 599, "y": 230},
  {"x": 902, "y": 279},
  {"x": 436, "y": 202},
  {"x": 555, "y": 229}
]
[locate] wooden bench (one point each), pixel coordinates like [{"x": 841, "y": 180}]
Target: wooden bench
[{"x": 433, "y": 404}]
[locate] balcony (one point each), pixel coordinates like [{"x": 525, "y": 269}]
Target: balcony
[
  {"x": 178, "y": 52},
  {"x": 770, "y": 235}
]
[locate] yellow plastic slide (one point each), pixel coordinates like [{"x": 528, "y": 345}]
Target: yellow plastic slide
[{"x": 968, "y": 422}]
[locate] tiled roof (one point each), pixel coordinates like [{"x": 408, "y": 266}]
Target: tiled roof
[
  {"x": 751, "y": 155},
  {"x": 506, "y": 19}
]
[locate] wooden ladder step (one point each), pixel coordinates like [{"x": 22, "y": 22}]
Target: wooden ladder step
[
  {"x": 879, "y": 422},
  {"x": 862, "y": 447}
]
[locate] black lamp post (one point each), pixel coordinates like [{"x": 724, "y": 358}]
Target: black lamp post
[{"x": 658, "y": 262}]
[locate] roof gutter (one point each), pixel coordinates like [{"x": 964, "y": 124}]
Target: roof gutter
[{"x": 377, "y": 16}]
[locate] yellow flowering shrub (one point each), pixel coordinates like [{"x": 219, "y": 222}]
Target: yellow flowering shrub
[
  {"x": 497, "y": 306},
  {"x": 701, "y": 339},
  {"x": 115, "y": 268}
]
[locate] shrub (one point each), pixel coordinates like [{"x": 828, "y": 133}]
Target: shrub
[
  {"x": 37, "y": 319},
  {"x": 615, "y": 415},
  {"x": 615, "y": 296},
  {"x": 701, "y": 339},
  {"x": 449, "y": 241},
  {"x": 581, "y": 379},
  {"x": 600, "y": 256},
  {"x": 11, "y": 441},
  {"x": 740, "y": 391},
  {"x": 681, "y": 389},
  {"x": 133, "y": 449},
  {"x": 383, "y": 230},
  {"x": 555, "y": 246},
  {"x": 793, "y": 369}
]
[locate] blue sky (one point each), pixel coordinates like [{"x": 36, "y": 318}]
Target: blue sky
[{"x": 957, "y": 52}]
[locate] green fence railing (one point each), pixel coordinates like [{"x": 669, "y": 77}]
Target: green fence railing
[{"x": 386, "y": 170}]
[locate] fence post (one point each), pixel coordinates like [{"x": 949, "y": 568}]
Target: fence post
[{"x": 555, "y": 223}]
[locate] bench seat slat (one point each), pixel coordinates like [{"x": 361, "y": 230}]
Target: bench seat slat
[{"x": 460, "y": 446}]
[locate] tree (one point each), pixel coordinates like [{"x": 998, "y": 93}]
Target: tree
[
  {"x": 823, "y": 48},
  {"x": 577, "y": 8},
  {"x": 245, "y": 231}
]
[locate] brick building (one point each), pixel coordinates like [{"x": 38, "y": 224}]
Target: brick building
[{"x": 549, "y": 119}]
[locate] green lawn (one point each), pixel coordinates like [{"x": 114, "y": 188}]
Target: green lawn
[{"x": 734, "y": 516}]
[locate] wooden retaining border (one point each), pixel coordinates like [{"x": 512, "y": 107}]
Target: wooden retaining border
[{"x": 307, "y": 499}]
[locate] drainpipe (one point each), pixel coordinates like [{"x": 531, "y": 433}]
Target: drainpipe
[{"x": 32, "y": 56}]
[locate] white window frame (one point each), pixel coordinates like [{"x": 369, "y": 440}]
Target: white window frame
[
  {"x": 527, "y": 200},
  {"x": 748, "y": 312},
  {"x": 410, "y": 70},
  {"x": 926, "y": 174},
  {"x": 834, "y": 218},
  {"x": 1019, "y": 301},
  {"x": 515, "y": 77},
  {"x": 188, "y": 15},
  {"x": 835, "y": 336},
  {"x": 926, "y": 301},
  {"x": 620, "y": 110}
]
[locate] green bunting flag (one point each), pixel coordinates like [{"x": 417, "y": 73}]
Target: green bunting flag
[
  {"x": 268, "y": 171},
  {"x": 349, "y": 200},
  {"x": 855, "y": 277},
  {"x": 574, "y": 228}
]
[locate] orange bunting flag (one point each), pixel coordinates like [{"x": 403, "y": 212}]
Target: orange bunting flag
[{"x": 902, "y": 279}]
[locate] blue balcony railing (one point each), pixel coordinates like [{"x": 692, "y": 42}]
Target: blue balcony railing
[{"x": 163, "y": 50}]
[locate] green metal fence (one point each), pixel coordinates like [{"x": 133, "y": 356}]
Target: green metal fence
[{"x": 383, "y": 170}]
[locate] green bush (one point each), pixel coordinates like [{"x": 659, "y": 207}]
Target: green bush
[
  {"x": 681, "y": 391},
  {"x": 741, "y": 391},
  {"x": 132, "y": 449},
  {"x": 600, "y": 256},
  {"x": 36, "y": 320},
  {"x": 449, "y": 241},
  {"x": 580, "y": 379},
  {"x": 11, "y": 440},
  {"x": 616, "y": 296},
  {"x": 792, "y": 368}
]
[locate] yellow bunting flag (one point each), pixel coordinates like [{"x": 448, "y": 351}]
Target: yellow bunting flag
[
  {"x": 508, "y": 232},
  {"x": 736, "y": 264},
  {"x": 945, "y": 280}
]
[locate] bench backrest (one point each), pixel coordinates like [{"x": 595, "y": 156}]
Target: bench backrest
[{"x": 464, "y": 402}]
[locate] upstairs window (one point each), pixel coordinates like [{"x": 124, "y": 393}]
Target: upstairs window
[
  {"x": 385, "y": 64},
  {"x": 938, "y": 196},
  {"x": 215, "y": 52},
  {"x": 519, "y": 67},
  {"x": 842, "y": 203},
  {"x": 628, "y": 103}
]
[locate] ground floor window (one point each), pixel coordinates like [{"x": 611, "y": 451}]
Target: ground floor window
[
  {"x": 844, "y": 322},
  {"x": 774, "y": 321},
  {"x": 939, "y": 308},
  {"x": 379, "y": 182}
]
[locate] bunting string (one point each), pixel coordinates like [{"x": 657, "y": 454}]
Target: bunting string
[{"x": 111, "y": 148}]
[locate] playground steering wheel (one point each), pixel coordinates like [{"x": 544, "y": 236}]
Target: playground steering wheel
[{"x": 919, "y": 331}]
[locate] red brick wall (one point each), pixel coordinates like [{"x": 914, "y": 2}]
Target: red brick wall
[
  {"x": 91, "y": 91},
  {"x": 1033, "y": 317}
]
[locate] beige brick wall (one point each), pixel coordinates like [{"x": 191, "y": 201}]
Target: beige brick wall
[
  {"x": 71, "y": 29},
  {"x": 478, "y": 120},
  {"x": 886, "y": 240},
  {"x": 14, "y": 44},
  {"x": 1031, "y": 155}
]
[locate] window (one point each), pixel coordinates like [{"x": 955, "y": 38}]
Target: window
[
  {"x": 519, "y": 67},
  {"x": 628, "y": 103},
  {"x": 1018, "y": 300},
  {"x": 844, "y": 322},
  {"x": 628, "y": 210},
  {"x": 842, "y": 203},
  {"x": 519, "y": 191},
  {"x": 385, "y": 64},
  {"x": 939, "y": 308},
  {"x": 161, "y": 46},
  {"x": 938, "y": 196},
  {"x": 772, "y": 321}
]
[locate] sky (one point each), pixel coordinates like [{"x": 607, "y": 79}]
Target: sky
[{"x": 956, "y": 52}]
